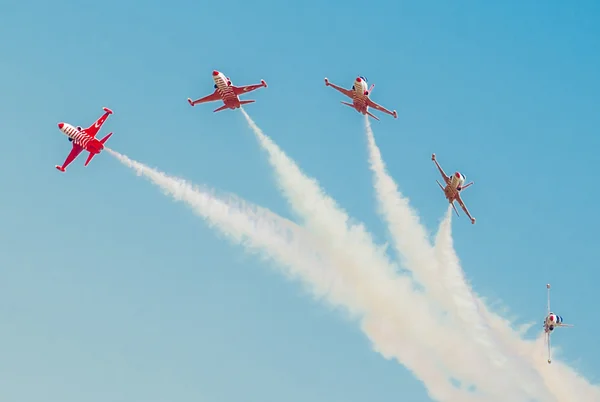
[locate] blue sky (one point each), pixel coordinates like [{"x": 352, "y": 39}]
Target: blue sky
[{"x": 110, "y": 291}]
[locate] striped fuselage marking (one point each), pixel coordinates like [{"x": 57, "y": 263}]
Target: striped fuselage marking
[
  {"x": 359, "y": 99},
  {"x": 552, "y": 320},
  {"x": 456, "y": 181},
  {"x": 82, "y": 139},
  {"x": 451, "y": 189},
  {"x": 229, "y": 97}
]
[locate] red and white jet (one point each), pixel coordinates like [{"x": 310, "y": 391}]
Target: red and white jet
[
  {"x": 454, "y": 185},
  {"x": 550, "y": 322},
  {"x": 227, "y": 92},
  {"x": 360, "y": 97},
  {"x": 84, "y": 139}
]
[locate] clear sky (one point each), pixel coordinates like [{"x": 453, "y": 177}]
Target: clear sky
[{"x": 110, "y": 291}]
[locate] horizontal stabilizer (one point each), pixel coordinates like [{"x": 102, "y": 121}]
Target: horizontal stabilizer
[
  {"x": 372, "y": 115},
  {"x": 221, "y": 108},
  {"x": 91, "y": 155},
  {"x": 89, "y": 159},
  {"x": 103, "y": 140},
  {"x": 467, "y": 186},
  {"x": 455, "y": 210}
]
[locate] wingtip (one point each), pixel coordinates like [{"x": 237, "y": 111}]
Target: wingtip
[{"x": 107, "y": 110}]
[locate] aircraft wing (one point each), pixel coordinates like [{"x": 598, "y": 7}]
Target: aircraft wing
[
  {"x": 346, "y": 92},
  {"x": 94, "y": 128},
  {"x": 464, "y": 207},
  {"x": 548, "y": 345},
  {"x": 215, "y": 96},
  {"x": 374, "y": 105},
  {"x": 248, "y": 88},
  {"x": 75, "y": 151},
  {"x": 444, "y": 175}
]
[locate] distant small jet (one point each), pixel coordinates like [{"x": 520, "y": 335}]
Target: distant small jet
[
  {"x": 360, "y": 97},
  {"x": 454, "y": 186},
  {"x": 550, "y": 322},
  {"x": 84, "y": 139},
  {"x": 228, "y": 93}
]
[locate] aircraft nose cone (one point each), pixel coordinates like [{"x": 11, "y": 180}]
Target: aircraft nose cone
[
  {"x": 215, "y": 73},
  {"x": 358, "y": 79},
  {"x": 61, "y": 125}
]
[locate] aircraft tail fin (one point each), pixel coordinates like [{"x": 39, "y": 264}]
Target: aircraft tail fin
[
  {"x": 442, "y": 187},
  {"x": 245, "y": 102},
  {"x": 352, "y": 106},
  {"x": 466, "y": 185},
  {"x": 91, "y": 155},
  {"x": 89, "y": 159},
  {"x": 220, "y": 108},
  {"x": 103, "y": 140},
  {"x": 372, "y": 115},
  {"x": 455, "y": 210}
]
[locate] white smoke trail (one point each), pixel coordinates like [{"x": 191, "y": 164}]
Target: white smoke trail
[
  {"x": 562, "y": 381},
  {"x": 464, "y": 302},
  {"x": 343, "y": 283},
  {"x": 411, "y": 241},
  {"x": 443, "y": 284},
  {"x": 331, "y": 224}
]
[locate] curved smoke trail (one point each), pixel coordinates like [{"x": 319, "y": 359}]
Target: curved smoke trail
[
  {"x": 564, "y": 383},
  {"x": 329, "y": 222},
  {"x": 441, "y": 283},
  {"x": 329, "y": 275}
]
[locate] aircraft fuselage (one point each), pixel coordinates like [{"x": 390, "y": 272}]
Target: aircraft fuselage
[
  {"x": 223, "y": 87},
  {"x": 84, "y": 140}
]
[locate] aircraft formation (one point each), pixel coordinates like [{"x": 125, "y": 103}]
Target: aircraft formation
[{"x": 229, "y": 94}]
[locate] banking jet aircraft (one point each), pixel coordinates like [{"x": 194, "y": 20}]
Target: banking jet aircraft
[
  {"x": 84, "y": 139},
  {"x": 360, "y": 97},
  {"x": 550, "y": 322},
  {"x": 227, "y": 92},
  {"x": 454, "y": 186}
]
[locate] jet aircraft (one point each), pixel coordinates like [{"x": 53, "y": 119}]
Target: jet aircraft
[
  {"x": 84, "y": 139},
  {"x": 454, "y": 186},
  {"x": 359, "y": 94},
  {"x": 227, "y": 92},
  {"x": 550, "y": 322}
]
